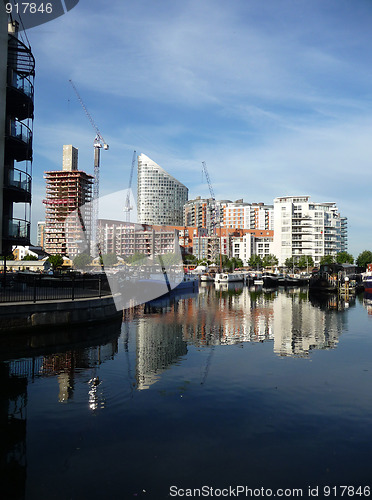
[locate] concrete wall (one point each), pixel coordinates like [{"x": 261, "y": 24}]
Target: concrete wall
[
  {"x": 25, "y": 316},
  {"x": 3, "y": 75}
]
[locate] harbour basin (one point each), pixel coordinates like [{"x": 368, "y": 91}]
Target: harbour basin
[{"x": 231, "y": 385}]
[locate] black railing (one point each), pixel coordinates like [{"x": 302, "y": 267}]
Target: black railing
[{"x": 36, "y": 288}]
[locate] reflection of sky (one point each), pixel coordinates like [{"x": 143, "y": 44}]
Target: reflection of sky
[{"x": 242, "y": 415}]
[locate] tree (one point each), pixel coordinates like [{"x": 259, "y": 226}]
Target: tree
[
  {"x": 344, "y": 258},
  {"x": 170, "y": 259},
  {"x": 188, "y": 258},
  {"x": 30, "y": 257},
  {"x": 109, "y": 259},
  {"x": 305, "y": 261},
  {"x": 233, "y": 263},
  {"x": 136, "y": 258},
  {"x": 269, "y": 260},
  {"x": 364, "y": 258},
  {"x": 82, "y": 260},
  {"x": 289, "y": 264},
  {"x": 56, "y": 261},
  {"x": 327, "y": 259},
  {"x": 255, "y": 261}
]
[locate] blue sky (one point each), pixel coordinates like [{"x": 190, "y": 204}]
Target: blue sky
[{"x": 275, "y": 96}]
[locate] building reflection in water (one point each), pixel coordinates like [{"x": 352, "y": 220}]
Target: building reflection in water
[
  {"x": 159, "y": 346},
  {"x": 367, "y": 302},
  {"x": 16, "y": 374},
  {"x": 231, "y": 314}
]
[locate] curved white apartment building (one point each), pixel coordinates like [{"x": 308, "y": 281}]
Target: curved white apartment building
[{"x": 160, "y": 197}]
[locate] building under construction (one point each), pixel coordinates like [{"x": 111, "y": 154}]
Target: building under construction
[{"x": 66, "y": 191}]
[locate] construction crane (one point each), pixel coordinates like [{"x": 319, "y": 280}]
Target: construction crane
[
  {"x": 214, "y": 211},
  {"x": 98, "y": 143},
  {"x": 215, "y": 215},
  {"x": 128, "y": 206}
]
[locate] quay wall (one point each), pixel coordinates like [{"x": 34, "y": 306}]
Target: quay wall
[{"x": 27, "y": 315}]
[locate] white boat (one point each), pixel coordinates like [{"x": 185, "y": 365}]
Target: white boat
[
  {"x": 207, "y": 277},
  {"x": 228, "y": 277}
]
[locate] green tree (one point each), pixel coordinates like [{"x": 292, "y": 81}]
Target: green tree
[
  {"x": 344, "y": 258},
  {"x": 269, "y": 260},
  {"x": 289, "y": 263},
  {"x": 56, "y": 261},
  {"x": 255, "y": 261},
  {"x": 108, "y": 259},
  {"x": 233, "y": 263},
  {"x": 327, "y": 259},
  {"x": 82, "y": 260},
  {"x": 364, "y": 258},
  {"x": 223, "y": 260},
  {"x": 305, "y": 261},
  {"x": 30, "y": 257},
  {"x": 136, "y": 258},
  {"x": 171, "y": 259},
  {"x": 189, "y": 259}
]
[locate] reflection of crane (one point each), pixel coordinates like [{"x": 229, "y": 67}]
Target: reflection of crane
[
  {"x": 98, "y": 143},
  {"x": 128, "y": 206}
]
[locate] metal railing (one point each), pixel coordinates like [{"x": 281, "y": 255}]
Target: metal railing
[
  {"x": 20, "y": 131},
  {"x": 36, "y": 288},
  {"x": 18, "y": 228},
  {"x": 19, "y": 179}
]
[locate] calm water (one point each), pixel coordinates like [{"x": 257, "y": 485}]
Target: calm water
[{"x": 221, "y": 388}]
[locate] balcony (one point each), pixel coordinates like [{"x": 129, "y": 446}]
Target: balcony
[
  {"x": 20, "y": 95},
  {"x": 18, "y": 185},
  {"x": 17, "y": 231},
  {"x": 19, "y": 141},
  {"x": 20, "y": 57}
]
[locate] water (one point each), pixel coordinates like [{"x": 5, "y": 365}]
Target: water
[{"x": 217, "y": 389}]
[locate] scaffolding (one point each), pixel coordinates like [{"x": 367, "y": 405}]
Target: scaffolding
[{"x": 66, "y": 192}]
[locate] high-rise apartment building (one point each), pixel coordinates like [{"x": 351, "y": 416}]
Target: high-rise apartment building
[
  {"x": 204, "y": 213},
  {"x": 40, "y": 233},
  {"x": 17, "y": 71},
  {"x": 160, "y": 197},
  {"x": 226, "y": 213},
  {"x": 302, "y": 227},
  {"x": 66, "y": 191},
  {"x": 243, "y": 215}
]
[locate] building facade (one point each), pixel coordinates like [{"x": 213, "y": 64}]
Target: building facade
[
  {"x": 302, "y": 227},
  {"x": 205, "y": 213},
  {"x": 17, "y": 71},
  {"x": 243, "y": 247},
  {"x": 126, "y": 239},
  {"x": 243, "y": 215},
  {"x": 40, "y": 233},
  {"x": 160, "y": 197},
  {"x": 66, "y": 191}
]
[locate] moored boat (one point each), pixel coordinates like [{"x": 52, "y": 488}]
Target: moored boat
[
  {"x": 367, "y": 279},
  {"x": 228, "y": 277},
  {"x": 341, "y": 278}
]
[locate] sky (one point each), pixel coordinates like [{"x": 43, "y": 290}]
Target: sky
[{"x": 275, "y": 96}]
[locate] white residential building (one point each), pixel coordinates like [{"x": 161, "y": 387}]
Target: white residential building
[
  {"x": 302, "y": 227},
  {"x": 243, "y": 247},
  {"x": 160, "y": 197}
]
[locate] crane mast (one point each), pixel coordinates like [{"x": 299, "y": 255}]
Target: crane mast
[
  {"x": 128, "y": 207},
  {"x": 215, "y": 216},
  {"x": 98, "y": 143}
]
